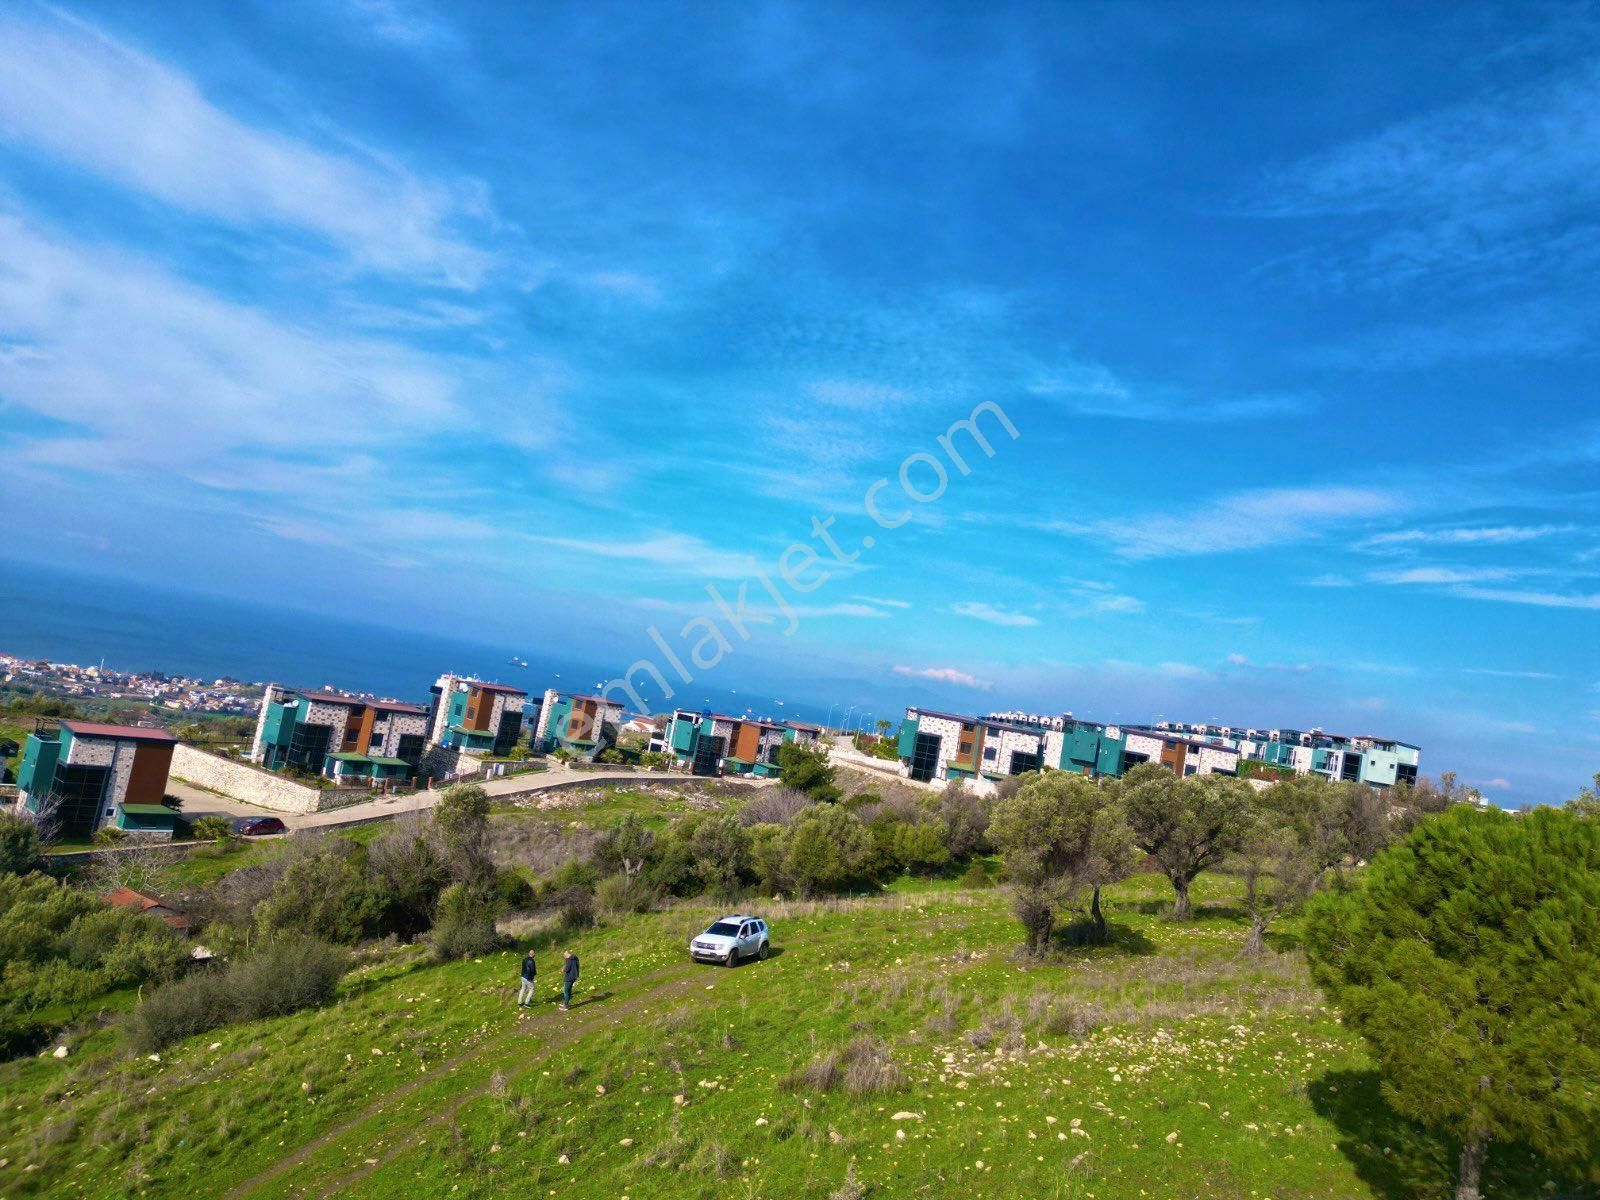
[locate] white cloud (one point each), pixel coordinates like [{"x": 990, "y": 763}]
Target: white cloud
[
  {"x": 1239, "y": 660},
  {"x": 993, "y": 615},
  {"x": 1091, "y": 390},
  {"x": 1330, "y": 581},
  {"x": 1243, "y": 521},
  {"x": 1167, "y": 670},
  {"x": 1500, "y": 186},
  {"x": 409, "y": 22},
  {"x": 943, "y": 675},
  {"x": 110, "y": 109},
  {"x": 1440, "y": 575},
  {"x": 1498, "y": 674},
  {"x": 675, "y": 552},
  {"x": 1499, "y": 535},
  {"x": 855, "y": 394},
  {"x": 147, "y": 370},
  {"x": 1498, "y": 784},
  {"x": 881, "y": 600},
  {"x": 1590, "y": 600}
]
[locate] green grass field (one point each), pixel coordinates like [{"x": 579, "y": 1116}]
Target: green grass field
[{"x": 1164, "y": 1065}]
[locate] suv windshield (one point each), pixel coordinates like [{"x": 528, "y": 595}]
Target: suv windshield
[{"x": 725, "y": 929}]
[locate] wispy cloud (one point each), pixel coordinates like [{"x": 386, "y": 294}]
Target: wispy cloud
[
  {"x": 676, "y": 553},
  {"x": 992, "y": 614},
  {"x": 1243, "y": 521},
  {"x": 107, "y": 108},
  {"x": 882, "y": 601},
  {"x": 1239, "y": 660},
  {"x": 1165, "y": 670},
  {"x": 1443, "y": 575},
  {"x": 1496, "y": 535},
  {"x": 1499, "y": 674},
  {"x": 943, "y": 675},
  {"x": 145, "y": 369},
  {"x": 1092, "y": 390},
  {"x": 1504, "y": 184},
  {"x": 1589, "y": 600}
]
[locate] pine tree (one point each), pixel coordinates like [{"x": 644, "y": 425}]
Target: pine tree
[{"x": 1468, "y": 957}]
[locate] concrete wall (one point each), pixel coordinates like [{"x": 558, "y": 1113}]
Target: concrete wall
[{"x": 249, "y": 783}]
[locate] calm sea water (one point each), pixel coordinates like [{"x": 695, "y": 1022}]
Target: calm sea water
[{"x": 69, "y": 617}]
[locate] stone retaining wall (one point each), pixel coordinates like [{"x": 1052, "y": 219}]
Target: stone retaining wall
[{"x": 247, "y": 782}]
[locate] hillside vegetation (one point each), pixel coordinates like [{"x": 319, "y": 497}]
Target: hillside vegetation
[{"x": 893, "y": 1046}]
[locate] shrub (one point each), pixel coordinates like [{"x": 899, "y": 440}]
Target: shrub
[
  {"x": 109, "y": 835},
  {"x": 290, "y": 974},
  {"x": 513, "y": 889},
  {"x": 19, "y": 843},
  {"x": 827, "y": 849},
  {"x": 976, "y": 875},
  {"x": 622, "y": 894},
  {"x": 465, "y": 924},
  {"x": 577, "y": 909},
  {"x": 212, "y": 829},
  {"x": 180, "y": 1010},
  {"x": 807, "y": 770},
  {"x": 325, "y": 895}
]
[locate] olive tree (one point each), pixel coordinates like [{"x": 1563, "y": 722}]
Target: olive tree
[
  {"x": 1468, "y": 957},
  {"x": 1060, "y": 834},
  {"x": 1185, "y": 825}
]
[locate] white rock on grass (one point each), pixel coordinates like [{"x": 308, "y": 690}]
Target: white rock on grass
[{"x": 906, "y": 1116}]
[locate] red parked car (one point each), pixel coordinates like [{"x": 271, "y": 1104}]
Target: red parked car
[{"x": 258, "y": 826}]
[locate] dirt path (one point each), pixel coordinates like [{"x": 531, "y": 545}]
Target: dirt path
[{"x": 555, "y": 1031}]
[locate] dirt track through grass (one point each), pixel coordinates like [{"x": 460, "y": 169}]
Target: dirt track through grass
[{"x": 678, "y": 981}]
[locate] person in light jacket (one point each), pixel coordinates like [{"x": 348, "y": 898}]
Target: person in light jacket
[{"x": 530, "y": 971}]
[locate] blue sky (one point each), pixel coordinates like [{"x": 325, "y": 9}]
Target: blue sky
[{"x": 532, "y": 322}]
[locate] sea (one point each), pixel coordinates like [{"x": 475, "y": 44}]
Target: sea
[{"x": 64, "y": 616}]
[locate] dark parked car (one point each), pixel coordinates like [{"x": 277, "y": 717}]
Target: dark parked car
[{"x": 256, "y": 826}]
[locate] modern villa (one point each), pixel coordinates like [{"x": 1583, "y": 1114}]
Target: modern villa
[
  {"x": 346, "y": 738},
  {"x": 90, "y": 775},
  {"x": 581, "y": 725},
  {"x": 474, "y": 717}
]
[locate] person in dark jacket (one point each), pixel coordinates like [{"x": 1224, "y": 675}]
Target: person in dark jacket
[
  {"x": 569, "y": 976},
  {"x": 530, "y": 971}
]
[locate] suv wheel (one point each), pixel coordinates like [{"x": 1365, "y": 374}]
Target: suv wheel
[
  {"x": 733, "y": 958},
  {"x": 762, "y": 953}
]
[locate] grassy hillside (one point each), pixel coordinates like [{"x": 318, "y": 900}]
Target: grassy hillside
[{"x": 1165, "y": 1065}]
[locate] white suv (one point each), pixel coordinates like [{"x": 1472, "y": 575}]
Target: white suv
[{"x": 730, "y": 939}]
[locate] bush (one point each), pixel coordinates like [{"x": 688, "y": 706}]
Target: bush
[
  {"x": 623, "y": 894},
  {"x": 109, "y": 835},
  {"x": 19, "y": 843},
  {"x": 465, "y": 924},
  {"x": 828, "y": 849},
  {"x": 289, "y": 975},
  {"x": 513, "y": 889},
  {"x": 212, "y": 829},
  {"x": 180, "y": 1010},
  {"x": 807, "y": 770},
  {"x": 577, "y": 909},
  {"x": 976, "y": 875}
]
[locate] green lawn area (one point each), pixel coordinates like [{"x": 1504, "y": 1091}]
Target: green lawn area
[{"x": 1164, "y": 1065}]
